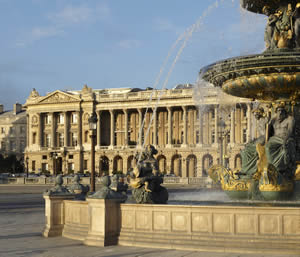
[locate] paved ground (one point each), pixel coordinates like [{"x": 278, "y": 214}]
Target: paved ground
[{"x": 22, "y": 221}]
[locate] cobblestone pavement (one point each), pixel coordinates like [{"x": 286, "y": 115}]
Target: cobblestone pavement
[{"x": 22, "y": 221}]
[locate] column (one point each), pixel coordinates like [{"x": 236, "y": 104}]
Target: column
[
  {"x": 216, "y": 125},
  {"x": 200, "y": 127},
  {"x": 140, "y": 127},
  {"x": 112, "y": 128},
  {"x": 248, "y": 123},
  {"x": 28, "y": 143},
  {"x": 66, "y": 124},
  {"x": 184, "y": 125},
  {"x": 126, "y": 126},
  {"x": 232, "y": 126},
  {"x": 154, "y": 126},
  {"x": 99, "y": 129},
  {"x": 39, "y": 135},
  {"x": 52, "y": 130},
  {"x": 79, "y": 128},
  {"x": 169, "y": 126}
]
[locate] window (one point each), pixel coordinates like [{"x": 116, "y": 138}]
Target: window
[
  {"x": 213, "y": 138},
  {"x": 48, "y": 119},
  {"x": 22, "y": 129},
  {"x": 70, "y": 166},
  {"x": 244, "y": 135},
  {"x": 48, "y": 140},
  {"x": 61, "y": 118},
  {"x": 74, "y": 139},
  {"x": 12, "y": 145},
  {"x": 22, "y": 145},
  {"x": 71, "y": 156},
  {"x": 213, "y": 114},
  {"x": 197, "y": 136},
  {"x": 44, "y": 166},
  {"x": 44, "y": 157},
  {"x": 3, "y": 146},
  {"x": 34, "y": 138},
  {"x": 61, "y": 139},
  {"x": 85, "y": 165},
  {"x": 33, "y": 165},
  {"x": 86, "y": 136},
  {"x": 74, "y": 118},
  {"x": 2, "y": 130},
  {"x": 11, "y": 130}
]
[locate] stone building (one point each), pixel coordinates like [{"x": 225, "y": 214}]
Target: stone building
[
  {"x": 13, "y": 131},
  {"x": 187, "y": 137}
]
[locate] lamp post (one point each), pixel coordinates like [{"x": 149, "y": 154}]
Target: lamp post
[
  {"x": 54, "y": 163},
  {"x": 222, "y": 126},
  {"x": 93, "y": 128},
  {"x": 27, "y": 160}
]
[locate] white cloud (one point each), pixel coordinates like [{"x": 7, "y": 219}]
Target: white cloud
[
  {"x": 80, "y": 14},
  {"x": 59, "y": 22},
  {"x": 129, "y": 43},
  {"x": 38, "y": 33},
  {"x": 162, "y": 24}
]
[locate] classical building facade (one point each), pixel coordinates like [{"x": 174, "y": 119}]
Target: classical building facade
[
  {"x": 13, "y": 131},
  {"x": 188, "y": 138}
]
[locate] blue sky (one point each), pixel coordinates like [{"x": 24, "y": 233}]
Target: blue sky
[{"x": 64, "y": 44}]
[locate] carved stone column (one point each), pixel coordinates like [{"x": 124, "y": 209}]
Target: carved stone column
[
  {"x": 112, "y": 128},
  {"x": 140, "y": 143},
  {"x": 28, "y": 141},
  {"x": 99, "y": 130},
  {"x": 169, "y": 126},
  {"x": 40, "y": 130},
  {"x": 126, "y": 127},
  {"x": 232, "y": 127},
  {"x": 66, "y": 130},
  {"x": 79, "y": 120},
  {"x": 216, "y": 124},
  {"x": 52, "y": 130},
  {"x": 200, "y": 127},
  {"x": 249, "y": 123},
  {"x": 155, "y": 127},
  {"x": 184, "y": 125}
]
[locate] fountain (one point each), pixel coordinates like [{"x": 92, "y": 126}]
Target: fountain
[
  {"x": 269, "y": 163},
  {"x": 270, "y": 168}
]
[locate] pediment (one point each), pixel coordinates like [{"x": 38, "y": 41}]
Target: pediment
[{"x": 59, "y": 97}]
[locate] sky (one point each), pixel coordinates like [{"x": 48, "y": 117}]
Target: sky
[{"x": 64, "y": 44}]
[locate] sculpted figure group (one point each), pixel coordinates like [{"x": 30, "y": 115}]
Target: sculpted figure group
[
  {"x": 283, "y": 27},
  {"x": 278, "y": 145}
]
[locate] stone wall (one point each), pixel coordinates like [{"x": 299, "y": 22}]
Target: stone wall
[{"x": 220, "y": 228}]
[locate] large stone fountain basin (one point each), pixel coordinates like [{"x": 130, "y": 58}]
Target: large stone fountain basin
[
  {"x": 268, "y": 76},
  {"x": 206, "y": 226}
]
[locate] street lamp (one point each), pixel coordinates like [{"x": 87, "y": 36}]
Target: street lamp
[
  {"x": 54, "y": 163},
  {"x": 222, "y": 133},
  {"x": 93, "y": 128},
  {"x": 27, "y": 160}
]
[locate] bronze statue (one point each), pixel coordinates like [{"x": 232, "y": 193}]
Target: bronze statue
[
  {"x": 270, "y": 28},
  {"x": 146, "y": 180},
  {"x": 281, "y": 148}
]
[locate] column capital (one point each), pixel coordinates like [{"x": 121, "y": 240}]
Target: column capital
[{"x": 169, "y": 108}]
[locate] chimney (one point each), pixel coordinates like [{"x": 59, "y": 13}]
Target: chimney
[
  {"x": 17, "y": 108},
  {"x": 1, "y": 108}
]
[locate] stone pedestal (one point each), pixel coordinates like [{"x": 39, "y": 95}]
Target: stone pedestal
[
  {"x": 55, "y": 214},
  {"x": 104, "y": 225}
]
